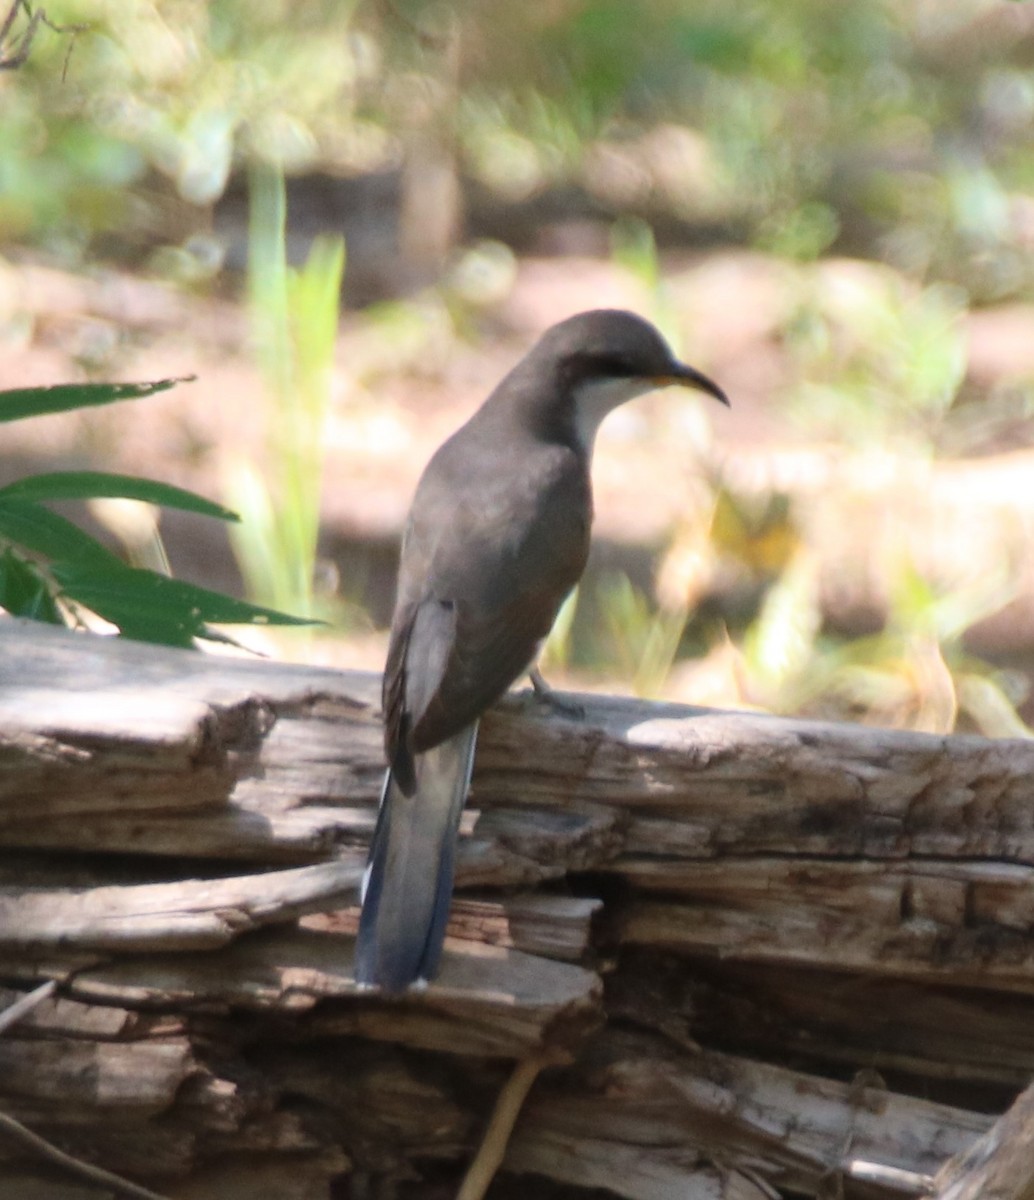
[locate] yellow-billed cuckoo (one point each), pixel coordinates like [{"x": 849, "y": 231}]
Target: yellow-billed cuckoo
[{"x": 496, "y": 538}]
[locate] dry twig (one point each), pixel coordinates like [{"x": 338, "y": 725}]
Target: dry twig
[
  {"x": 18, "y": 55},
  {"x": 508, "y": 1107},
  {"x": 14, "y": 1012},
  {"x": 41, "y": 1146},
  {"x": 45, "y": 1150}
]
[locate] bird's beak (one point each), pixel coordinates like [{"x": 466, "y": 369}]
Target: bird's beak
[{"x": 684, "y": 376}]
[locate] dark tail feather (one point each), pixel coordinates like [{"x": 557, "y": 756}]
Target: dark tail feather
[{"x": 407, "y": 889}]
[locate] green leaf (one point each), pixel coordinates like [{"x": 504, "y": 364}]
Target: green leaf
[
  {"x": 38, "y": 529},
  {"x": 24, "y": 592},
  {"x": 153, "y": 607},
  {"x": 34, "y": 402},
  {"x": 88, "y": 485}
]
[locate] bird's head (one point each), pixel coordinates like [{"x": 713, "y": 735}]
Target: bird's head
[{"x": 601, "y": 359}]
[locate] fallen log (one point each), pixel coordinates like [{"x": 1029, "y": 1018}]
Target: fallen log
[
  {"x": 999, "y": 1165},
  {"x": 791, "y": 1130},
  {"x": 763, "y": 957}
]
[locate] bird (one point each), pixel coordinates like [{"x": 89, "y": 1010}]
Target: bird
[{"x": 496, "y": 538}]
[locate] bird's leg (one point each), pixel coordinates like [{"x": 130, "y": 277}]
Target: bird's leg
[
  {"x": 542, "y": 689},
  {"x": 544, "y": 694}
]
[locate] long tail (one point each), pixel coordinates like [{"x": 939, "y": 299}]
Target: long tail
[{"x": 407, "y": 888}]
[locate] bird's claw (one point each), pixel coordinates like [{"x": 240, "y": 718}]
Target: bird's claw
[{"x": 545, "y": 696}]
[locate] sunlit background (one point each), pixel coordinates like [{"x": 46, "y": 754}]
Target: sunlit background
[{"x": 828, "y": 207}]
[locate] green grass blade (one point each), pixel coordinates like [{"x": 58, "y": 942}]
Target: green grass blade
[
  {"x": 314, "y": 296},
  {"x": 35, "y": 402},
  {"x": 267, "y": 276},
  {"x": 89, "y": 485}
]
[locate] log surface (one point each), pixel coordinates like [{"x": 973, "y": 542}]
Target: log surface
[{"x": 775, "y": 956}]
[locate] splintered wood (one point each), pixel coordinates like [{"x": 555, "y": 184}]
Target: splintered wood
[{"x": 761, "y": 957}]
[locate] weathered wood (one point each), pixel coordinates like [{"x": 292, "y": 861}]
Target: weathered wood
[
  {"x": 655, "y": 1118},
  {"x": 304, "y": 749},
  {"x": 64, "y": 1083},
  {"x": 551, "y": 926},
  {"x": 486, "y": 1001},
  {"x": 679, "y": 1111},
  {"x": 697, "y": 784},
  {"x": 167, "y": 733},
  {"x": 302, "y": 1176},
  {"x": 916, "y": 846},
  {"x": 192, "y": 914},
  {"x": 946, "y": 1036},
  {"x": 41, "y": 1185},
  {"x": 110, "y": 1183},
  {"x": 20, "y": 1006},
  {"x": 967, "y": 922},
  {"x": 60, "y": 1017},
  {"x": 768, "y": 902},
  {"x": 999, "y": 1165}
]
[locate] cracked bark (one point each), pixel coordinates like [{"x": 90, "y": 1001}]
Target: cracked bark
[{"x": 718, "y": 919}]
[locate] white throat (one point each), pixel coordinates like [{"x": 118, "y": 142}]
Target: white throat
[{"x": 595, "y": 398}]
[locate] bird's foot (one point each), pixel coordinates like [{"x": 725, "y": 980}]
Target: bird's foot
[{"x": 544, "y": 695}]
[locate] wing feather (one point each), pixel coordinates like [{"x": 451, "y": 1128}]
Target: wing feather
[
  {"x": 481, "y": 581},
  {"x": 490, "y": 651}
]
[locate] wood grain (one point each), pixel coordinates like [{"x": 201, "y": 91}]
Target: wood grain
[{"x": 776, "y": 957}]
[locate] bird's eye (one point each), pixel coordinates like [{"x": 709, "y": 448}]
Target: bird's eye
[
  {"x": 601, "y": 366},
  {"x": 615, "y": 364}
]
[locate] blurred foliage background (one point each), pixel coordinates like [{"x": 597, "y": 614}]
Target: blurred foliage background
[
  {"x": 898, "y": 131},
  {"x": 874, "y": 161}
]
